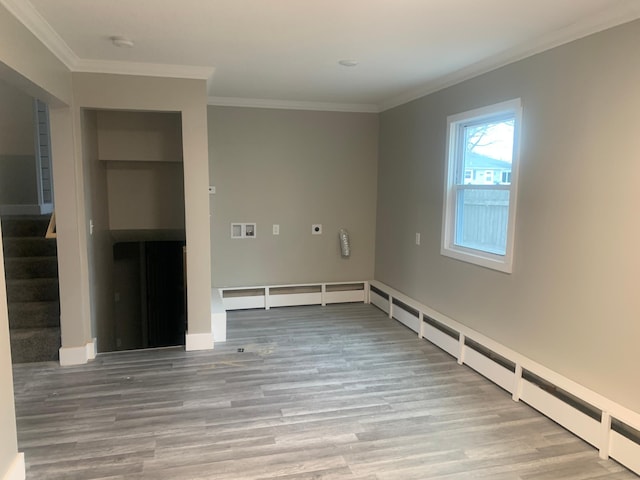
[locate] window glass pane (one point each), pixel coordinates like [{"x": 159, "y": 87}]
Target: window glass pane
[
  {"x": 482, "y": 219},
  {"x": 487, "y": 152}
]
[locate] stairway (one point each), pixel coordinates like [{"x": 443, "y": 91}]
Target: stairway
[{"x": 31, "y": 270}]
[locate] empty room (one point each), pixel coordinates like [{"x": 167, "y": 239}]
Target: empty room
[{"x": 362, "y": 240}]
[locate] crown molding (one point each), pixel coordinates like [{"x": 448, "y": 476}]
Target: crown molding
[
  {"x": 144, "y": 69},
  {"x": 623, "y": 13},
  {"x": 292, "y": 105},
  {"x": 26, "y": 13}
]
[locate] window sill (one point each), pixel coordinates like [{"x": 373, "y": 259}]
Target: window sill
[{"x": 500, "y": 263}]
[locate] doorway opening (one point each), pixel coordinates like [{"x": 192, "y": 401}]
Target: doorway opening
[
  {"x": 135, "y": 186},
  {"x": 150, "y": 300}
]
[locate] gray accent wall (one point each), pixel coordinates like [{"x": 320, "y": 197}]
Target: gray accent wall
[
  {"x": 17, "y": 148},
  {"x": 572, "y": 301},
  {"x": 294, "y": 169},
  {"x": 27, "y": 64}
]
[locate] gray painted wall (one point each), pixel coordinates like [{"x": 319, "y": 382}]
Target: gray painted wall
[
  {"x": 145, "y": 195},
  {"x": 40, "y": 73},
  {"x": 571, "y": 303},
  {"x": 294, "y": 169},
  {"x": 100, "y": 243},
  {"x": 8, "y": 435},
  {"x": 18, "y": 185}
]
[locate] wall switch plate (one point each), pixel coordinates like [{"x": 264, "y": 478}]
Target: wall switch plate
[
  {"x": 276, "y": 229},
  {"x": 316, "y": 229},
  {"x": 417, "y": 239}
]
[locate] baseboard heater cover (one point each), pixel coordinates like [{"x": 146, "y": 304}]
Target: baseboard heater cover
[
  {"x": 242, "y": 298},
  {"x": 614, "y": 431}
]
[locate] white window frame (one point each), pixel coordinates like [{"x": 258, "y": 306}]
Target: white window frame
[{"x": 455, "y": 125}]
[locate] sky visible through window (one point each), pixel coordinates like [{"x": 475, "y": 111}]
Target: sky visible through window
[{"x": 493, "y": 140}]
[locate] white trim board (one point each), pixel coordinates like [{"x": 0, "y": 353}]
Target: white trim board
[
  {"x": 78, "y": 355},
  {"x": 29, "y": 16},
  {"x": 623, "y": 13},
  {"x": 198, "y": 341},
  {"x": 17, "y": 469},
  {"x": 218, "y": 317},
  {"x": 292, "y": 105},
  {"x": 323, "y": 294},
  {"x": 508, "y": 370}
]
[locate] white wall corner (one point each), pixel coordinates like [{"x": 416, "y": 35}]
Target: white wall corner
[
  {"x": 198, "y": 341},
  {"x": 218, "y": 316},
  {"x": 17, "y": 469},
  {"x": 77, "y": 355},
  {"x": 219, "y": 326},
  {"x": 92, "y": 349}
]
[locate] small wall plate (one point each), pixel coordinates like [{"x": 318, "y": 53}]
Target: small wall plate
[{"x": 316, "y": 229}]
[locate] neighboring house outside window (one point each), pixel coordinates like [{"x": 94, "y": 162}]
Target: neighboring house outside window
[{"x": 480, "y": 185}]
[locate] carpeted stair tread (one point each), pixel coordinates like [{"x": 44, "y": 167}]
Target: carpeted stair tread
[
  {"x": 33, "y": 298},
  {"x": 32, "y": 290},
  {"x": 35, "y": 344},
  {"x": 29, "y": 247},
  {"x": 25, "y": 225},
  {"x": 34, "y": 314},
  {"x": 17, "y": 268}
]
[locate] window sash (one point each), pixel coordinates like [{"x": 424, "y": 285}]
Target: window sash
[{"x": 455, "y": 186}]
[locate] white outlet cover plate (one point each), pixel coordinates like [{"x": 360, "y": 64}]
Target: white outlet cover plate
[{"x": 316, "y": 229}]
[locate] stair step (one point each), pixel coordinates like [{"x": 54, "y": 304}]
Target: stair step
[
  {"x": 35, "y": 345},
  {"x": 31, "y": 267},
  {"x": 34, "y": 314},
  {"x": 25, "y": 225},
  {"x": 32, "y": 290},
  {"x": 29, "y": 247}
]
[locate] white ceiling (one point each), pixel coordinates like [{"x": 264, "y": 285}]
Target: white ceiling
[{"x": 286, "y": 52}]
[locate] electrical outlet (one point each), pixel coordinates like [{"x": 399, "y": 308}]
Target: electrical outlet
[
  {"x": 316, "y": 229},
  {"x": 276, "y": 229},
  {"x": 417, "y": 239}
]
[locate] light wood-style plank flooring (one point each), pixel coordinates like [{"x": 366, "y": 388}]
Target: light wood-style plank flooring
[{"x": 333, "y": 393}]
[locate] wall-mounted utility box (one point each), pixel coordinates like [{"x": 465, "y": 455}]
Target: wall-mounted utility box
[{"x": 243, "y": 230}]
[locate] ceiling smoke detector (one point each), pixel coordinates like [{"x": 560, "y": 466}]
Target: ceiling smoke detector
[
  {"x": 122, "y": 42},
  {"x": 348, "y": 63}
]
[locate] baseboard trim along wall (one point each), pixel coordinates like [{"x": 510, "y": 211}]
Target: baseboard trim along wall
[
  {"x": 218, "y": 316},
  {"x": 198, "y": 341},
  {"x": 608, "y": 426},
  {"x": 78, "y": 355},
  {"x": 321, "y": 293},
  {"x": 17, "y": 469}
]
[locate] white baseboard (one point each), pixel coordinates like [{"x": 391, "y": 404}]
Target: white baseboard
[
  {"x": 198, "y": 341},
  {"x": 17, "y": 469},
  {"x": 466, "y": 345},
  {"x": 78, "y": 355},
  {"x": 92, "y": 349},
  {"x": 219, "y": 326},
  {"x": 322, "y": 293},
  {"x": 218, "y": 317}
]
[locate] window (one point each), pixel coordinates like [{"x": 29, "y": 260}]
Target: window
[{"x": 479, "y": 212}]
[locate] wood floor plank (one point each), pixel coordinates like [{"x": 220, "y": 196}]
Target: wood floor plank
[{"x": 318, "y": 393}]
